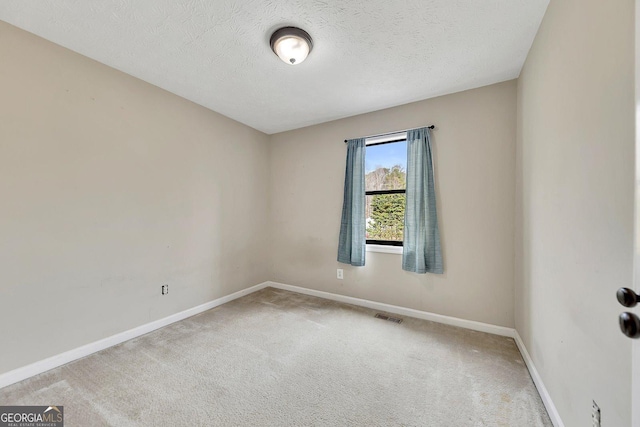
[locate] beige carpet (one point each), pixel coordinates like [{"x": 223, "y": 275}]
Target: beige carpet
[{"x": 276, "y": 358}]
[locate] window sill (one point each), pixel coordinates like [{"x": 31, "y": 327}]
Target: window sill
[{"x": 385, "y": 249}]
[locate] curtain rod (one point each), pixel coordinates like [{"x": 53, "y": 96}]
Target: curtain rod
[{"x": 391, "y": 133}]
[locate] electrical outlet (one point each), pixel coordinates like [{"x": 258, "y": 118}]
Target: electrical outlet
[
  {"x": 595, "y": 415},
  {"x": 340, "y": 274},
  {"x": 165, "y": 289}
]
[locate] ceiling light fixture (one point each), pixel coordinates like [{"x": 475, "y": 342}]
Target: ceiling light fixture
[{"x": 291, "y": 44}]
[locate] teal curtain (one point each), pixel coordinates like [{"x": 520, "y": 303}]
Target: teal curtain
[
  {"x": 421, "y": 252},
  {"x": 352, "y": 242}
]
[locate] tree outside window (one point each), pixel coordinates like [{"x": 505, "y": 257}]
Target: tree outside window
[{"x": 385, "y": 185}]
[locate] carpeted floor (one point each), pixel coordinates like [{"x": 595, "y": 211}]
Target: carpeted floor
[{"x": 276, "y": 358}]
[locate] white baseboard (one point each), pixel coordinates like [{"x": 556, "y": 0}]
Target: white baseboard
[
  {"x": 41, "y": 366},
  {"x": 447, "y": 320},
  {"x": 537, "y": 380},
  {"x": 439, "y": 318}
]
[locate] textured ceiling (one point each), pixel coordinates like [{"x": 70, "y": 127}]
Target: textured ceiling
[{"x": 368, "y": 54}]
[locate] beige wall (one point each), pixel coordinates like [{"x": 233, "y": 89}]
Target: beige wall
[
  {"x": 575, "y": 205},
  {"x": 474, "y": 149},
  {"x": 109, "y": 188}
]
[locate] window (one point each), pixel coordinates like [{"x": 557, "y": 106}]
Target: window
[{"x": 385, "y": 185}]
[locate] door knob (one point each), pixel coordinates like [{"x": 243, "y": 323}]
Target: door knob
[
  {"x": 627, "y": 297},
  {"x": 630, "y": 325}
]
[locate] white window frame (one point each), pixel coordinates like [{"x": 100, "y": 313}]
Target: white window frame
[{"x": 385, "y": 249}]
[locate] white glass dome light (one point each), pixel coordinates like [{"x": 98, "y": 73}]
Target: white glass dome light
[{"x": 291, "y": 44}]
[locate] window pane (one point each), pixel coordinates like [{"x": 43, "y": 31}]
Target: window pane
[
  {"x": 385, "y": 166},
  {"x": 385, "y": 216}
]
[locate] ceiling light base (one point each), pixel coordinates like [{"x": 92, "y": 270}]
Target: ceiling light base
[{"x": 291, "y": 44}]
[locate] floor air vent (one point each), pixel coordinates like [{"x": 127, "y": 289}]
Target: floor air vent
[{"x": 390, "y": 319}]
